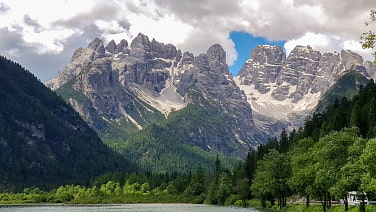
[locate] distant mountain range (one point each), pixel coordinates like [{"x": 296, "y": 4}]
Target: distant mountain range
[{"x": 144, "y": 97}]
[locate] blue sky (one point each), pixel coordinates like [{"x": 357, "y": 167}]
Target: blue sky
[{"x": 244, "y": 43}]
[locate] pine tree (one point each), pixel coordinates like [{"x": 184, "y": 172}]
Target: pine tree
[
  {"x": 283, "y": 142},
  {"x": 372, "y": 119},
  {"x": 354, "y": 118}
]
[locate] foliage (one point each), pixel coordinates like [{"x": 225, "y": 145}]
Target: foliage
[
  {"x": 368, "y": 39},
  {"x": 271, "y": 177},
  {"x": 333, "y": 153},
  {"x": 137, "y": 188}
]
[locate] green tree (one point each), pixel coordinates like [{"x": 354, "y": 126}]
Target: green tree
[
  {"x": 242, "y": 188},
  {"x": 284, "y": 141},
  {"x": 351, "y": 173},
  {"x": 372, "y": 119},
  {"x": 368, "y": 39},
  {"x": 217, "y": 168},
  {"x": 211, "y": 197},
  {"x": 330, "y": 154},
  {"x": 224, "y": 188},
  {"x": 271, "y": 177},
  {"x": 303, "y": 174},
  {"x": 196, "y": 186},
  {"x": 368, "y": 159},
  {"x": 250, "y": 165}
]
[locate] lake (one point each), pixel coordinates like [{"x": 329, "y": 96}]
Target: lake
[{"x": 123, "y": 207}]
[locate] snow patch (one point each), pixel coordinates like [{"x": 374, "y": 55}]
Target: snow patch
[
  {"x": 266, "y": 105},
  {"x": 167, "y": 101}
]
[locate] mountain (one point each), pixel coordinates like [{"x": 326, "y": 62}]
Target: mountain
[
  {"x": 43, "y": 141},
  {"x": 283, "y": 91},
  {"x": 347, "y": 86},
  {"x": 126, "y": 92}
]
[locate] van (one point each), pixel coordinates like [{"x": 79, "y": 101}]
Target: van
[{"x": 355, "y": 198}]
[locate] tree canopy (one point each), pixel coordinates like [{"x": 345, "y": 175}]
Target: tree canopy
[{"x": 368, "y": 39}]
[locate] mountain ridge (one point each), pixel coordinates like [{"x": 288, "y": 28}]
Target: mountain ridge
[
  {"x": 129, "y": 87},
  {"x": 121, "y": 90}
]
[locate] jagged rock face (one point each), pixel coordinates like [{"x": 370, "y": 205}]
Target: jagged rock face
[
  {"x": 209, "y": 74},
  {"x": 111, "y": 47},
  {"x": 132, "y": 86},
  {"x": 299, "y": 70},
  {"x": 371, "y": 69},
  {"x": 282, "y": 92},
  {"x": 79, "y": 62},
  {"x": 265, "y": 63}
]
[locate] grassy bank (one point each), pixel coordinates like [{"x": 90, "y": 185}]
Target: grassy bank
[
  {"x": 93, "y": 198},
  {"x": 302, "y": 208}
]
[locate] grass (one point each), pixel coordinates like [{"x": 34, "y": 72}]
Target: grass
[{"x": 302, "y": 208}]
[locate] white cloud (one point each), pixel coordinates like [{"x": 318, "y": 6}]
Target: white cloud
[
  {"x": 328, "y": 43},
  {"x": 317, "y": 41},
  {"x": 190, "y": 25},
  {"x": 166, "y": 29},
  {"x": 356, "y": 47}
]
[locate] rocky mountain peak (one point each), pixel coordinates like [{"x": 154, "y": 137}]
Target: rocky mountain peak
[
  {"x": 263, "y": 67},
  {"x": 161, "y": 50},
  {"x": 266, "y": 54},
  {"x": 216, "y": 54},
  {"x": 111, "y": 47},
  {"x": 122, "y": 47},
  {"x": 217, "y": 58},
  {"x": 353, "y": 61},
  {"x": 97, "y": 47},
  {"x": 304, "y": 52},
  {"x": 141, "y": 42}
]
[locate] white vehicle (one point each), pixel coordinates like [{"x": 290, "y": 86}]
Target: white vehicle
[{"x": 355, "y": 198}]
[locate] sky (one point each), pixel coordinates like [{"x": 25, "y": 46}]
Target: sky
[{"x": 42, "y": 35}]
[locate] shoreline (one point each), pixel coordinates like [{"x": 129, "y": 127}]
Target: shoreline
[{"x": 93, "y": 204}]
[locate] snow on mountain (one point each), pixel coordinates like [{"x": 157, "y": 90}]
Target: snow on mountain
[{"x": 284, "y": 91}]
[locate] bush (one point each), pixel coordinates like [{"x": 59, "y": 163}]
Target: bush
[{"x": 232, "y": 199}]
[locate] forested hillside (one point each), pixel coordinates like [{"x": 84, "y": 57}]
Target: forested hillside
[
  {"x": 43, "y": 141},
  {"x": 346, "y": 86},
  {"x": 187, "y": 138}
]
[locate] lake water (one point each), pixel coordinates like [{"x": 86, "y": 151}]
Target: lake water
[{"x": 123, "y": 207}]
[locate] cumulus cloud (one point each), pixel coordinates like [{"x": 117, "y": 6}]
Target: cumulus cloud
[
  {"x": 3, "y": 7},
  {"x": 321, "y": 42},
  {"x": 61, "y": 26}
]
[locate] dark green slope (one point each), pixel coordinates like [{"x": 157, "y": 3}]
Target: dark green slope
[
  {"x": 181, "y": 142},
  {"x": 43, "y": 141},
  {"x": 347, "y": 86},
  {"x": 360, "y": 112}
]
